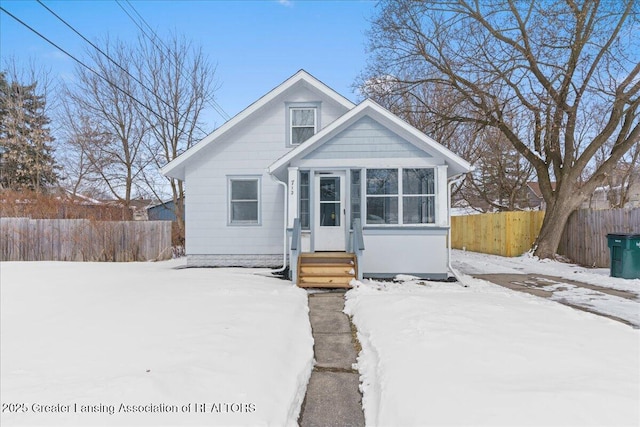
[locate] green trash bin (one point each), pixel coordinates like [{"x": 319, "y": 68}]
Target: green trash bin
[{"x": 624, "y": 249}]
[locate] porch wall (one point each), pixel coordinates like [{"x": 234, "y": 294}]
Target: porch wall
[{"x": 421, "y": 253}]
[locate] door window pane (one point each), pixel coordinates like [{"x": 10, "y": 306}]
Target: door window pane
[
  {"x": 330, "y": 201},
  {"x": 330, "y": 214},
  {"x": 330, "y": 189}
]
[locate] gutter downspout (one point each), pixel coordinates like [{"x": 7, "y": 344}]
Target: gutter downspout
[
  {"x": 286, "y": 212},
  {"x": 454, "y": 180}
]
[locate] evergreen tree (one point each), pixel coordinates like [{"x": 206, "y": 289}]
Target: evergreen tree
[{"x": 25, "y": 140}]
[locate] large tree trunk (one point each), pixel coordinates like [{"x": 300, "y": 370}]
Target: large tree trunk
[{"x": 555, "y": 219}]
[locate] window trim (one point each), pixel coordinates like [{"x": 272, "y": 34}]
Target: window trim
[
  {"x": 399, "y": 196},
  {"x": 290, "y": 106},
  {"x": 238, "y": 223}
]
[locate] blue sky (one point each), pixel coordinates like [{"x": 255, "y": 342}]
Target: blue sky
[{"x": 255, "y": 44}]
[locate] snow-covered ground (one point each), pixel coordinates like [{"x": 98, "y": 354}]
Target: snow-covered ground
[
  {"x": 472, "y": 263},
  {"x": 441, "y": 354},
  {"x": 146, "y": 338},
  {"x": 154, "y": 344},
  {"x": 476, "y": 263}
]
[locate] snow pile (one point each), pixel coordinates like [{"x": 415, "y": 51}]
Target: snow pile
[
  {"x": 441, "y": 354},
  {"x": 151, "y": 344}
]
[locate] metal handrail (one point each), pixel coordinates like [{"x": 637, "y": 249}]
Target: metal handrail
[
  {"x": 357, "y": 244},
  {"x": 296, "y": 248}
]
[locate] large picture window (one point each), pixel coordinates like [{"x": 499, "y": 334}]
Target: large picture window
[
  {"x": 303, "y": 124},
  {"x": 244, "y": 201},
  {"x": 400, "y": 196}
]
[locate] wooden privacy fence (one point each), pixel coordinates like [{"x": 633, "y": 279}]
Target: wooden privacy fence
[
  {"x": 504, "y": 233},
  {"x": 24, "y": 239},
  {"x": 584, "y": 240}
]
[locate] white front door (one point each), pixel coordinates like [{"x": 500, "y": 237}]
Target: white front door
[{"x": 329, "y": 212}]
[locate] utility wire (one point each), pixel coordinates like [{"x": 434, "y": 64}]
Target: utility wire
[
  {"x": 83, "y": 64},
  {"x": 114, "y": 62},
  {"x": 153, "y": 39}
]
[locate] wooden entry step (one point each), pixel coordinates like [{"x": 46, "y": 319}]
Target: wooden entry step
[{"x": 326, "y": 269}]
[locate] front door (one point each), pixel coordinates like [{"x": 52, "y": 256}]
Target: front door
[{"x": 329, "y": 212}]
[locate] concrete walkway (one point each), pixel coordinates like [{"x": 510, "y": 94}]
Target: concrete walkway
[{"x": 333, "y": 397}]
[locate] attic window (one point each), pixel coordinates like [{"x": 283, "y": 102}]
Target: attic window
[{"x": 303, "y": 124}]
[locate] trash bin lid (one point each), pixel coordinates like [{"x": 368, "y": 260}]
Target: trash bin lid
[{"x": 624, "y": 236}]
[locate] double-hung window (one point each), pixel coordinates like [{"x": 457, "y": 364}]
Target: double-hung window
[
  {"x": 244, "y": 201},
  {"x": 303, "y": 121},
  {"x": 382, "y": 196},
  {"x": 418, "y": 196},
  {"x": 400, "y": 196}
]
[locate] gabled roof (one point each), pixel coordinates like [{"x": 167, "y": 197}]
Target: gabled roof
[
  {"x": 372, "y": 109},
  {"x": 534, "y": 186},
  {"x": 175, "y": 168}
]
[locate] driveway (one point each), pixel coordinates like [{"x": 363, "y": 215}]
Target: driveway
[{"x": 620, "y": 305}]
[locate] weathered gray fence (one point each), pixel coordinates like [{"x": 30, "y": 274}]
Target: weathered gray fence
[
  {"x": 584, "y": 239},
  {"x": 24, "y": 239}
]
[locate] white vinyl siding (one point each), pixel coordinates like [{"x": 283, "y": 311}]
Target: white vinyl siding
[
  {"x": 404, "y": 196},
  {"x": 244, "y": 201}
]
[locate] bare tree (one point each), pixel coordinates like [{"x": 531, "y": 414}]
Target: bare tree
[
  {"x": 180, "y": 79},
  {"x": 109, "y": 100},
  {"x": 501, "y": 173},
  {"x": 546, "y": 66},
  {"x": 80, "y": 159}
]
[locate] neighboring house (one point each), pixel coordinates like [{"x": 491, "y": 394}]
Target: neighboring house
[
  {"x": 165, "y": 211},
  {"x": 138, "y": 207},
  {"x": 305, "y": 175},
  {"x": 534, "y": 195},
  {"x": 606, "y": 196},
  {"x": 600, "y": 199}
]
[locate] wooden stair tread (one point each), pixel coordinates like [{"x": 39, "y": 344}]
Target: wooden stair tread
[
  {"x": 326, "y": 269},
  {"x": 326, "y": 265},
  {"x": 323, "y": 285}
]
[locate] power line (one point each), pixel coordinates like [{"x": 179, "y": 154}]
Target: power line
[
  {"x": 115, "y": 63},
  {"x": 153, "y": 39},
  {"x": 83, "y": 64},
  {"x": 212, "y": 101}
]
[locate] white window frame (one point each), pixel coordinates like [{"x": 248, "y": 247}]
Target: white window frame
[
  {"x": 290, "y": 107},
  {"x": 255, "y": 178},
  {"x": 400, "y": 197},
  {"x": 292, "y": 126},
  {"x": 403, "y": 196}
]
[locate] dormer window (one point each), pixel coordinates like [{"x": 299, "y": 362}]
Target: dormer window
[{"x": 303, "y": 124}]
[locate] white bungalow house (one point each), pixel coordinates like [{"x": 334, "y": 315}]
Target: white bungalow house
[{"x": 305, "y": 178}]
